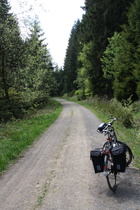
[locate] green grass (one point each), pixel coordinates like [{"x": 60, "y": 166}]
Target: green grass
[{"x": 16, "y": 136}]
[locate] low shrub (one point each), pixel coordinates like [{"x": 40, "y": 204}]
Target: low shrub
[{"x": 113, "y": 108}]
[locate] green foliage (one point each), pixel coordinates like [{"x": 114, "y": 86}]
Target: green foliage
[
  {"x": 108, "y": 62},
  {"x": 83, "y": 79},
  {"x": 124, "y": 85},
  {"x": 80, "y": 94},
  {"x": 100, "y": 21},
  {"x": 18, "y": 109},
  {"x": 102, "y": 57},
  {"x": 59, "y": 77},
  {"x": 117, "y": 66},
  {"x": 121, "y": 58},
  {"x": 26, "y": 69},
  {"x": 113, "y": 108},
  {"x": 37, "y": 74},
  {"x": 133, "y": 30},
  {"x": 10, "y": 48}
]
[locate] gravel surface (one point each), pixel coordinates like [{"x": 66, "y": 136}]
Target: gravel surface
[{"x": 56, "y": 172}]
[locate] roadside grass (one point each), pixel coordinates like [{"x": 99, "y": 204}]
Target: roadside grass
[
  {"x": 17, "y": 135},
  {"x": 127, "y": 125}
]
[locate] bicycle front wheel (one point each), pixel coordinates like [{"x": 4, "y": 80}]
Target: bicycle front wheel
[
  {"x": 112, "y": 175},
  {"x": 111, "y": 181}
]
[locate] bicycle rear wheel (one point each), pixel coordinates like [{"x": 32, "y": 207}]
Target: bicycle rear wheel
[
  {"x": 112, "y": 175},
  {"x": 129, "y": 155}
]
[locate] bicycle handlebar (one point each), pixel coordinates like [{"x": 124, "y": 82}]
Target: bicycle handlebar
[
  {"x": 104, "y": 127},
  {"x": 113, "y": 119}
]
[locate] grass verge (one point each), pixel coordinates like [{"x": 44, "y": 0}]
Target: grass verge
[{"x": 17, "y": 135}]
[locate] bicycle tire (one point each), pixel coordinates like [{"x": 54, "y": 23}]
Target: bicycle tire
[
  {"x": 129, "y": 155},
  {"x": 112, "y": 175}
]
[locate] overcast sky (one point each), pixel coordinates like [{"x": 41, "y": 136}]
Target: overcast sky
[{"x": 56, "y": 19}]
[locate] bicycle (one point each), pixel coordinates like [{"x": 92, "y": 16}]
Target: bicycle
[{"x": 113, "y": 157}]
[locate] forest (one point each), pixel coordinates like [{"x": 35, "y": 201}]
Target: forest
[
  {"x": 102, "y": 58},
  {"x": 103, "y": 53}
]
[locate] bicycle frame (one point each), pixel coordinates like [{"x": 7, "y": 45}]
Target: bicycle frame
[{"x": 112, "y": 141}]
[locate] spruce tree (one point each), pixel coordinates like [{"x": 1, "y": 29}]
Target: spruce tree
[
  {"x": 71, "y": 62},
  {"x": 37, "y": 74},
  {"x": 121, "y": 58}
]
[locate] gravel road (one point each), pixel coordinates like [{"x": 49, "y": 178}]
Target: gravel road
[{"x": 56, "y": 172}]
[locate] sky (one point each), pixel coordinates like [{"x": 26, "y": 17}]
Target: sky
[{"x": 56, "y": 17}]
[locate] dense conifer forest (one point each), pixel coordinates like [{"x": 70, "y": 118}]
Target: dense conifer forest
[
  {"x": 102, "y": 58},
  {"x": 103, "y": 53}
]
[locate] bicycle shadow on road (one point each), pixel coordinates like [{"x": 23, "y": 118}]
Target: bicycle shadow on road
[{"x": 128, "y": 187}]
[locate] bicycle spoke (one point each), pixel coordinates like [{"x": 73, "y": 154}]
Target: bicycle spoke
[{"x": 111, "y": 177}]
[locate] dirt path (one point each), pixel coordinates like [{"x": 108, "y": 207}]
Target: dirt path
[{"x": 56, "y": 173}]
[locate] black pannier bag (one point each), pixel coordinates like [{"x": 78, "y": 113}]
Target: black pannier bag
[
  {"x": 119, "y": 158},
  {"x": 97, "y": 160}
]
